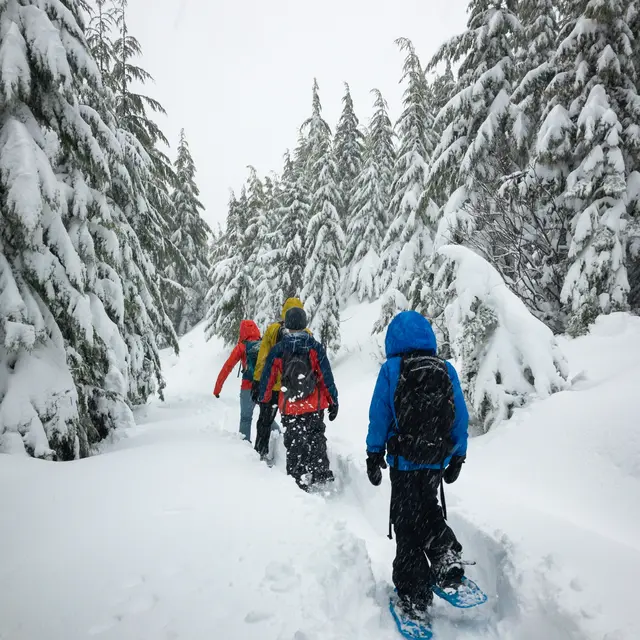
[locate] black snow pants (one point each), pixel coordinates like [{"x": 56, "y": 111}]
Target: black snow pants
[
  {"x": 268, "y": 412},
  {"x": 420, "y": 529},
  {"x": 306, "y": 444}
]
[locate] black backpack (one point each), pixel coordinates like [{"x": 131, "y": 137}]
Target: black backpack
[
  {"x": 298, "y": 378},
  {"x": 425, "y": 410}
]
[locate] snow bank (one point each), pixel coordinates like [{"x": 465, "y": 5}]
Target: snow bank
[
  {"x": 38, "y": 402},
  {"x": 192, "y": 537}
]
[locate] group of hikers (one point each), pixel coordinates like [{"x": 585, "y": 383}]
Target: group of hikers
[{"x": 418, "y": 423}]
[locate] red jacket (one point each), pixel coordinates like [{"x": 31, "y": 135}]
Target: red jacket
[
  {"x": 248, "y": 331},
  {"x": 325, "y": 394}
]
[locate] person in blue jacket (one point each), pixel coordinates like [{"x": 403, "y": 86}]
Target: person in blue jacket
[{"x": 418, "y": 416}]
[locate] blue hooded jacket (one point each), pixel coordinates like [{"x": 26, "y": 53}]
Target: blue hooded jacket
[{"x": 409, "y": 331}]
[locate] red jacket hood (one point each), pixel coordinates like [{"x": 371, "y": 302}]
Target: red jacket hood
[{"x": 249, "y": 330}]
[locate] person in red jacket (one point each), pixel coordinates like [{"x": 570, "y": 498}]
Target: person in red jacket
[
  {"x": 307, "y": 390},
  {"x": 245, "y": 352}
]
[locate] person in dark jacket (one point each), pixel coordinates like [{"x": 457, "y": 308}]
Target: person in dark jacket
[
  {"x": 269, "y": 410},
  {"x": 427, "y": 551},
  {"x": 302, "y": 417}
]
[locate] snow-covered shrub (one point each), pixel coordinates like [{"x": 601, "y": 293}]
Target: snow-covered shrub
[{"x": 506, "y": 355}]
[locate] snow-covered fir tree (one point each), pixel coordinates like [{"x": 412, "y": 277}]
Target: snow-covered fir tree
[
  {"x": 155, "y": 221},
  {"x": 261, "y": 260},
  {"x": 408, "y": 240},
  {"x": 292, "y": 217},
  {"x": 371, "y": 195},
  {"x": 471, "y": 151},
  {"x": 274, "y": 205},
  {"x": 518, "y": 224},
  {"x": 594, "y": 95},
  {"x": 349, "y": 152},
  {"x": 324, "y": 234},
  {"x": 77, "y": 299},
  {"x": 191, "y": 238},
  {"x": 482, "y": 168},
  {"x": 230, "y": 297}
]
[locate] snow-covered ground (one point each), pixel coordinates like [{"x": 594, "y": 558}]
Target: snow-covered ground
[{"x": 178, "y": 532}]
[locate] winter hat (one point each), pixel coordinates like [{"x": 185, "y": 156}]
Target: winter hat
[
  {"x": 296, "y": 319},
  {"x": 290, "y": 303}
]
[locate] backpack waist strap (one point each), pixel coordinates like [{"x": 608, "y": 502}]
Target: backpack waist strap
[{"x": 419, "y": 450}]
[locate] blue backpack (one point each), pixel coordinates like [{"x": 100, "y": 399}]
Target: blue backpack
[{"x": 253, "y": 348}]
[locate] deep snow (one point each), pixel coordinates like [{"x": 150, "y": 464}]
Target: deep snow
[{"x": 178, "y": 532}]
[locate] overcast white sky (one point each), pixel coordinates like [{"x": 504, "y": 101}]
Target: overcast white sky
[{"x": 237, "y": 74}]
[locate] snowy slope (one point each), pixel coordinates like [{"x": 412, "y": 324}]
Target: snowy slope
[{"x": 179, "y": 532}]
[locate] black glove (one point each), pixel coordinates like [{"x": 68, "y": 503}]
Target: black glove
[
  {"x": 333, "y": 412},
  {"x": 217, "y": 395},
  {"x": 255, "y": 391},
  {"x": 452, "y": 472},
  {"x": 375, "y": 462}
]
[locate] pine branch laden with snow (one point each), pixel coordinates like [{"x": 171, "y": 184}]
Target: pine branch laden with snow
[
  {"x": 393, "y": 302},
  {"x": 506, "y": 356},
  {"x": 324, "y": 235},
  {"x": 533, "y": 70},
  {"x": 78, "y": 300}
]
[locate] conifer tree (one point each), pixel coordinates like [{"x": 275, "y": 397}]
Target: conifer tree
[
  {"x": 230, "y": 297},
  {"x": 349, "y": 151},
  {"x": 324, "y": 237},
  {"x": 409, "y": 236},
  {"x": 471, "y": 152},
  {"x": 371, "y": 196},
  {"x": 534, "y": 68},
  {"x": 259, "y": 239},
  {"x": 99, "y": 36},
  {"x": 154, "y": 219},
  {"x": 191, "y": 240},
  {"x": 77, "y": 298},
  {"x": 594, "y": 89},
  {"x": 293, "y": 216}
]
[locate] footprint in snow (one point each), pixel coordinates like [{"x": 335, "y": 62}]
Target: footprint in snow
[
  {"x": 282, "y": 577},
  {"x": 257, "y": 616}
]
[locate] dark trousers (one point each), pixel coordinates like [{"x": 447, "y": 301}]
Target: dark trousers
[
  {"x": 268, "y": 412},
  {"x": 420, "y": 529},
  {"x": 306, "y": 444}
]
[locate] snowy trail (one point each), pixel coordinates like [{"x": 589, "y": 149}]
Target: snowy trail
[{"x": 178, "y": 532}]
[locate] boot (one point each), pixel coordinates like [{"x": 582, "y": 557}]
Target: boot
[
  {"x": 416, "y": 608},
  {"x": 448, "y": 571}
]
